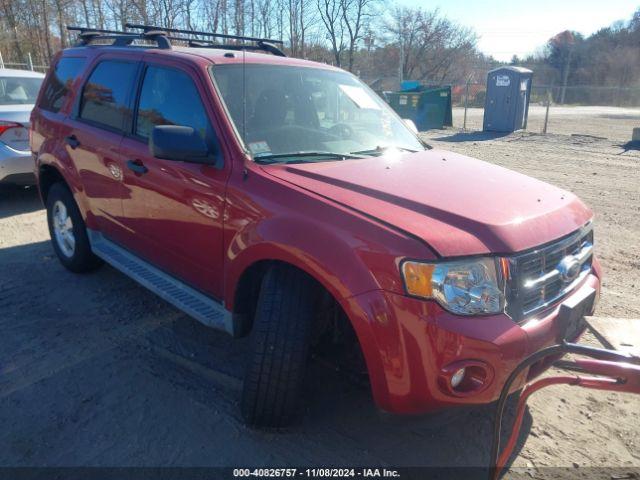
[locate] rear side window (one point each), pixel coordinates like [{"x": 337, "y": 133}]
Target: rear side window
[
  {"x": 105, "y": 96},
  {"x": 59, "y": 83},
  {"x": 169, "y": 97},
  {"x": 19, "y": 90}
]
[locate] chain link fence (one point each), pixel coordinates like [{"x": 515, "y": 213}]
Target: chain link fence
[
  {"x": 603, "y": 112},
  {"x": 26, "y": 65}
]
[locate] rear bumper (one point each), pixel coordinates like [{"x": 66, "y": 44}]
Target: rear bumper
[
  {"x": 16, "y": 166},
  {"x": 417, "y": 345}
]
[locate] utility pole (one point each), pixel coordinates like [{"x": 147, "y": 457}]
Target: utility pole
[
  {"x": 546, "y": 114},
  {"x": 466, "y": 103},
  {"x": 401, "y": 64},
  {"x": 565, "y": 74}
]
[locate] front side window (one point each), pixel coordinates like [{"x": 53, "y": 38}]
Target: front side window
[
  {"x": 169, "y": 97},
  {"x": 279, "y": 110},
  {"x": 59, "y": 83},
  {"x": 105, "y": 96}
]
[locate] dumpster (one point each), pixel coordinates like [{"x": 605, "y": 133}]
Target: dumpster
[
  {"x": 427, "y": 107},
  {"x": 409, "y": 86}
]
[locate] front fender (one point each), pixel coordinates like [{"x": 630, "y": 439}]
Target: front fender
[
  {"x": 347, "y": 252},
  {"x": 333, "y": 259}
]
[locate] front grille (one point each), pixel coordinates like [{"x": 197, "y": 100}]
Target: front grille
[{"x": 541, "y": 278}]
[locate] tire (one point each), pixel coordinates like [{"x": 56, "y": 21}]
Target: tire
[
  {"x": 280, "y": 340},
  {"x": 77, "y": 255}
]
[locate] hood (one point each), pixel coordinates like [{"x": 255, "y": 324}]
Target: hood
[{"x": 457, "y": 204}]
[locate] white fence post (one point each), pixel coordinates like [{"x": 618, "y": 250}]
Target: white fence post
[
  {"x": 29, "y": 61},
  {"x": 1, "y": 61}
]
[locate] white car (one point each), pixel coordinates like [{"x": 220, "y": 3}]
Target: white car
[{"x": 18, "y": 92}]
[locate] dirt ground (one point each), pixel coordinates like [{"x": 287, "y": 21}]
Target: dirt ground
[
  {"x": 613, "y": 123},
  {"x": 95, "y": 370}
]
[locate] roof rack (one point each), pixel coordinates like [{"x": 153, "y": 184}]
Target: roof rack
[
  {"x": 204, "y": 34},
  {"x": 120, "y": 39},
  {"x": 266, "y": 44},
  {"x": 163, "y": 38}
]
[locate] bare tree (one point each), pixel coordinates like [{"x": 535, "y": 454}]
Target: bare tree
[
  {"x": 331, "y": 14},
  {"x": 429, "y": 43},
  {"x": 354, "y": 15}
]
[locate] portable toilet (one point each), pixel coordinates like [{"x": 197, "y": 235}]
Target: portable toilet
[{"x": 506, "y": 105}]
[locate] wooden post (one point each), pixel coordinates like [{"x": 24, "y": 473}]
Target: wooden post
[
  {"x": 1, "y": 61},
  {"x": 29, "y": 61}
]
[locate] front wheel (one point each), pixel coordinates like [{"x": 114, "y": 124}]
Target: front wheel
[
  {"x": 280, "y": 344},
  {"x": 68, "y": 231}
]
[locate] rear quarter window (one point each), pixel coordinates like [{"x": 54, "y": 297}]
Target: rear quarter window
[{"x": 58, "y": 85}]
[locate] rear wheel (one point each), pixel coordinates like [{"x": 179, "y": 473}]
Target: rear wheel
[
  {"x": 68, "y": 231},
  {"x": 280, "y": 344}
]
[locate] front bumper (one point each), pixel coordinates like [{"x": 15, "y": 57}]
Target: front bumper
[
  {"x": 16, "y": 166},
  {"x": 411, "y": 344}
]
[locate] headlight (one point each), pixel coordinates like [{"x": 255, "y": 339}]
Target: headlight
[{"x": 464, "y": 287}]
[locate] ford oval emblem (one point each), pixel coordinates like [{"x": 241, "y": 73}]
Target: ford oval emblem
[{"x": 569, "y": 268}]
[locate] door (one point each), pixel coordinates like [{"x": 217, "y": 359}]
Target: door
[
  {"x": 500, "y": 105},
  {"x": 175, "y": 208},
  {"x": 521, "y": 107},
  {"x": 93, "y": 134}
]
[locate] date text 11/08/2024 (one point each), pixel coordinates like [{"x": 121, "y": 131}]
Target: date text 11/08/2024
[{"x": 317, "y": 472}]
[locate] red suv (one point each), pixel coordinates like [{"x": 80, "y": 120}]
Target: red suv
[{"x": 282, "y": 199}]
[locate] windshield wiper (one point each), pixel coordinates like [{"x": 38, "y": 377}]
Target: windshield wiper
[
  {"x": 380, "y": 150},
  {"x": 275, "y": 157}
]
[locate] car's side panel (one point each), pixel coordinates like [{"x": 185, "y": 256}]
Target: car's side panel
[
  {"x": 175, "y": 209},
  {"x": 49, "y": 151},
  {"x": 97, "y": 158}
]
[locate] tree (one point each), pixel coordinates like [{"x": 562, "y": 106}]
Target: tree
[
  {"x": 430, "y": 44},
  {"x": 331, "y": 14},
  {"x": 354, "y": 15},
  {"x": 561, "y": 48}
]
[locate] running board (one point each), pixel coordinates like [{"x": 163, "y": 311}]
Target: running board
[{"x": 190, "y": 301}]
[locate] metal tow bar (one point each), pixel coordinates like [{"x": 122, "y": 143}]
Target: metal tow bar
[{"x": 618, "y": 372}]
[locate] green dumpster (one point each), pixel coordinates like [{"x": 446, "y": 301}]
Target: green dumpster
[{"x": 428, "y": 107}]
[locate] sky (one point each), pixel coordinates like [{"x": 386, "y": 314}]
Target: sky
[{"x": 517, "y": 27}]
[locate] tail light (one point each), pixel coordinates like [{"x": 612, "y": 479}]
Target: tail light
[{"x": 14, "y": 135}]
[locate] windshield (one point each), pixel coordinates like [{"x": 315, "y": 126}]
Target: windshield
[
  {"x": 19, "y": 90},
  {"x": 289, "y": 110}
]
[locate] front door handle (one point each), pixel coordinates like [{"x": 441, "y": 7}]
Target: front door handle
[
  {"x": 137, "y": 166},
  {"x": 72, "y": 141}
]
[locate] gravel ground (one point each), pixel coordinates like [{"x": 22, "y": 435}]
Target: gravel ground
[{"x": 95, "y": 370}]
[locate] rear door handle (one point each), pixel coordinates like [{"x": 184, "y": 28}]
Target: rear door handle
[
  {"x": 72, "y": 141},
  {"x": 137, "y": 166}
]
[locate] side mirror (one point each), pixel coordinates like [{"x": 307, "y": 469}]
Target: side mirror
[
  {"x": 173, "y": 142},
  {"x": 409, "y": 123}
]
